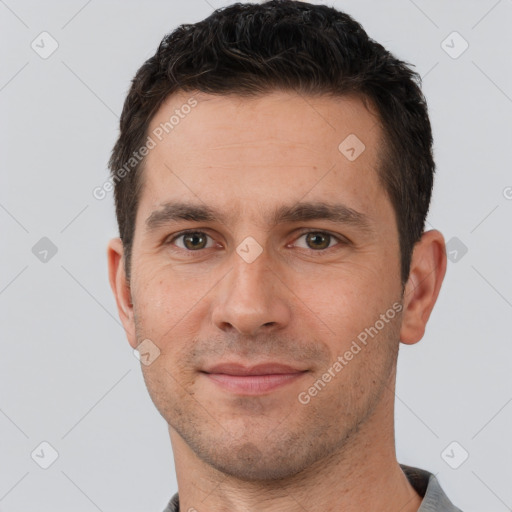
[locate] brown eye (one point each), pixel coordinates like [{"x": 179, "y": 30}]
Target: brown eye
[
  {"x": 194, "y": 240},
  {"x": 318, "y": 240},
  {"x": 191, "y": 240}
]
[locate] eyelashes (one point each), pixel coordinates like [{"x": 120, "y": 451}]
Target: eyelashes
[{"x": 197, "y": 234}]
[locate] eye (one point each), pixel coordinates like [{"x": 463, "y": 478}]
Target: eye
[
  {"x": 192, "y": 240},
  {"x": 319, "y": 240}
]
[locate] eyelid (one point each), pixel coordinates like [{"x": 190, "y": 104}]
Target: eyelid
[
  {"x": 170, "y": 240},
  {"x": 341, "y": 242},
  {"x": 340, "y": 238}
]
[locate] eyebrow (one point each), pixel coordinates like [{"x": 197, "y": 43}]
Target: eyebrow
[{"x": 175, "y": 211}]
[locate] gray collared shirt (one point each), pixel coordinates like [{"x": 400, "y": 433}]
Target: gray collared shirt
[{"x": 425, "y": 484}]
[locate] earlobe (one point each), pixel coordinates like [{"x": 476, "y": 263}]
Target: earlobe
[
  {"x": 121, "y": 288},
  {"x": 428, "y": 268}
]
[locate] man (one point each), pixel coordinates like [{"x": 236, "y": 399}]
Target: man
[{"x": 272, "y": 178}]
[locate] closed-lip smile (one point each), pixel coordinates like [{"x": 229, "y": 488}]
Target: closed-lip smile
[{"x": 252, "y": 380}]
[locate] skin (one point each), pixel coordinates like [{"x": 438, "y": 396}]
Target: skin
[{"x": 298, "y": 303}]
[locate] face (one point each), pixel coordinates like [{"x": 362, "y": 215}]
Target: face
[{"x": 296, "y": 264}]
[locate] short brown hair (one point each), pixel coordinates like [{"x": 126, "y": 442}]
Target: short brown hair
[{"x": 252, "y": 49}]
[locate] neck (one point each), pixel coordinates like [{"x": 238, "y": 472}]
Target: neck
[{"x": 363, "y": 474}]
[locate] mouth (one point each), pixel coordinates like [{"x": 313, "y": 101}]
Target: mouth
[{"x": 255, "y": 380}]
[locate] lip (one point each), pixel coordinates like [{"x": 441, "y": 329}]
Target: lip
[
  {"x": 259, "y": 369},
  {"x": 253, "y": 380}
]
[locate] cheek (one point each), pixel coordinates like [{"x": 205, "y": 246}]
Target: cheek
[
  {"x": 157, "y": 305},
  {"x": 168, "y": 307},
  {"x": 345, "y": 306},
  {"x": 339, "y": 297}
]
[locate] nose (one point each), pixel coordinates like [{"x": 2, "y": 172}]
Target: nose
[{"x": 251, "y": 298}]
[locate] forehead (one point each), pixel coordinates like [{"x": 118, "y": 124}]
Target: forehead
[
  {"x": 229, "y": 150},
  {"x": 313, "y": 121}
]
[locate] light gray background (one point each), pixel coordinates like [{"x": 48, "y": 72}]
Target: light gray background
[{"x": 67, "y": 373}]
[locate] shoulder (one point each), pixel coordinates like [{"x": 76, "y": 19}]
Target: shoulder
[
  {"x": 428, "y": 487},
  {"x": 173, "y": 505}
]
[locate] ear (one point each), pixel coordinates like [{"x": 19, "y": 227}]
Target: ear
[
  {"x": 428, "y": 267},
  {"x": 121, "y": 288}
]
